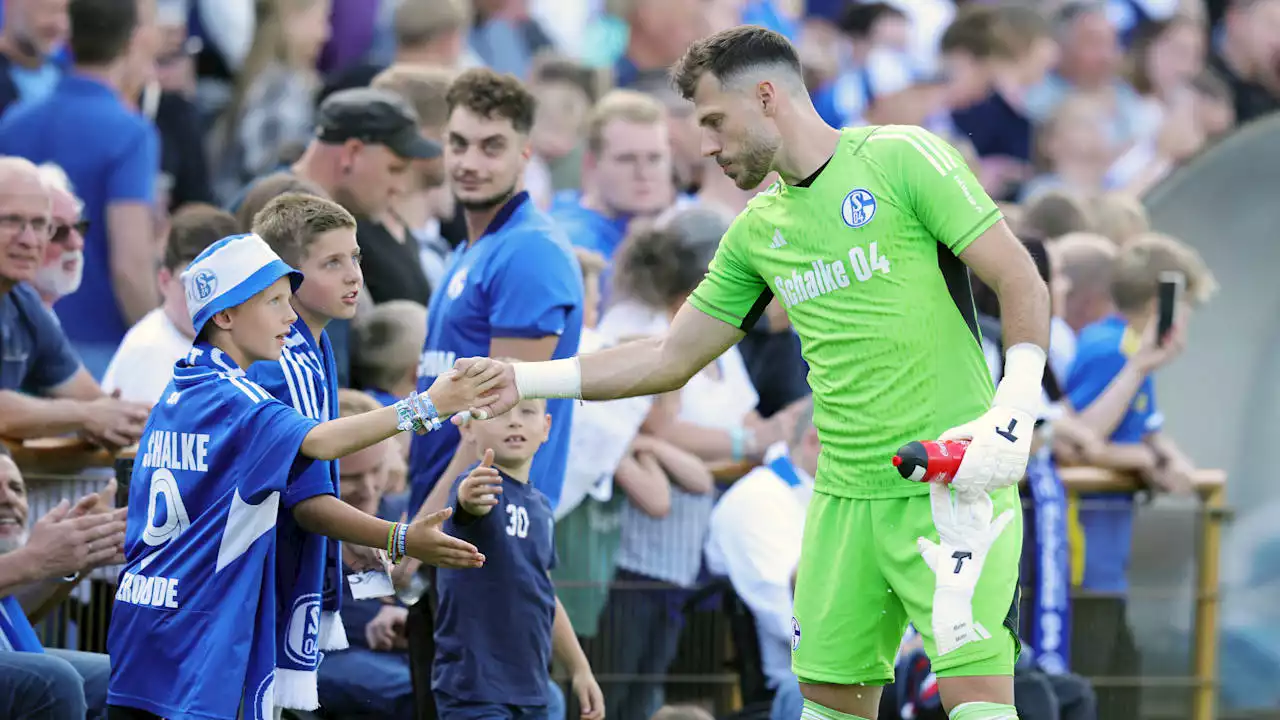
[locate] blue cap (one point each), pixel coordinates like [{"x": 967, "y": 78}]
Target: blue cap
[{"x": 228, "y": 273}]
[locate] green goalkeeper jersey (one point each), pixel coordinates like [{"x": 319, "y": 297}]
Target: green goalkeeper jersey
[{"x": 864, "y": 259}]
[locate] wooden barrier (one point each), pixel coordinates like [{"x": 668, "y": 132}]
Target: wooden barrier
[{"x": 64, "y": 456}]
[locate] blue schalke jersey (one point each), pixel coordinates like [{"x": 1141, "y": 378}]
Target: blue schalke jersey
[
  {"x": 216, "y": 455},
  {"x": 519, "y": 280}
]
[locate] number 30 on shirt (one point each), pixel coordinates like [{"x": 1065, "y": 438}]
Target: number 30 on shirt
[{"x": 517, "y": 521}]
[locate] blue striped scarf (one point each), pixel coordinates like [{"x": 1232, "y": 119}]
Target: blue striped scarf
[{"x": 308, "y": 582}]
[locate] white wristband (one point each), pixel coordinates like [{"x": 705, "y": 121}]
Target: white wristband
[
  {"x": 551, "y": 379},
  {"x": 1023, "y": 373}
]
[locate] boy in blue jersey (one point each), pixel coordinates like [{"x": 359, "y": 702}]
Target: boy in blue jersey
[
  {"x": 1111, "y": 387},
  {"x": 193, "y": 631},
  {"x": 317, "y": 236},
  {"x": 497, "y": 627}
]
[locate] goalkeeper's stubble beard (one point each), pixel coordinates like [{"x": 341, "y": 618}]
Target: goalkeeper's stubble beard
[{"x": 755, "y": 160}]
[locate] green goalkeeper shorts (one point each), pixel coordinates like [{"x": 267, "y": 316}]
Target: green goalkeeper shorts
[{"x": 861, "y": 580}]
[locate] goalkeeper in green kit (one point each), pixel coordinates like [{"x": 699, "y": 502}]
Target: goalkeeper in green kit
[{"x": 867, "y": 241}]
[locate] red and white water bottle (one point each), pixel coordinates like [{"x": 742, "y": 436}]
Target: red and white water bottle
[{"x": 930, "y": 460}]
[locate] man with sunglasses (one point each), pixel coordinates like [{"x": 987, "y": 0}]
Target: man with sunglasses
[
  {"x": 44, "y": 390},
  {"x": 60, "y": 273}
]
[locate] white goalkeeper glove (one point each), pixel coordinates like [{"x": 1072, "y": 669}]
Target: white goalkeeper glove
[
  {"x": 966, "y": 533},
  {"x": 1000, "y": 440}
]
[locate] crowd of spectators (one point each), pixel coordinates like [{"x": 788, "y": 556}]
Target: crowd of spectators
[{"x": 526, "y": 165}]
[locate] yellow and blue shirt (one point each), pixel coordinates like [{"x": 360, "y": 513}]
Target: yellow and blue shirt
[{"x": 1104, "y": 526}]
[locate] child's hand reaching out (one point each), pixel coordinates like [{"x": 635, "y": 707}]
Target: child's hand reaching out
[{"x": 479, "y": 490}]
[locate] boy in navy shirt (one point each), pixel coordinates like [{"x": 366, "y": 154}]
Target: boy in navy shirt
[
  {"x": 193, "y": 631},
  {"x": 497, "y": 627}
]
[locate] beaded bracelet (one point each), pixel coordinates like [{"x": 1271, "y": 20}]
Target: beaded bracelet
[
  {"x": 406, "y": 421},
  {"x": 425, "y": 410},
  {"x": 402, "y": 541},
  {"x": 432, "y": 413},
  {"x": 417, "y": 413},
  {"x": 391, "y": 540}
]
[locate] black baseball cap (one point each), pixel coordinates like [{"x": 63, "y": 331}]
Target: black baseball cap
[{"x": 378, "y": 117}]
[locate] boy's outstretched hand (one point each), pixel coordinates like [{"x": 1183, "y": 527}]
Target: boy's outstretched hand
[
  {"x": 479, "y": 490},
  {"x": 496, "y": 383},
  {"x": 428, "y": 543},
  {"x": 455, "y": 392},
  {"x": 590, "y": 699}
]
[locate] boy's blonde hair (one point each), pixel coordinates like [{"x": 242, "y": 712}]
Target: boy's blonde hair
[
  {"x": 386, "y": 343},
  {"x": 1135, "y": 281},
  {"x": 1120, "y": 216},
  {"x": 626, "y": 105},
  {"x": 293, "y": 221}
]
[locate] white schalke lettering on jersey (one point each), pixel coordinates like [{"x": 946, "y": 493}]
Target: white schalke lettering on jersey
[
  {"x": 823, "y": 277},
  {"x": 177, "y": 451}
]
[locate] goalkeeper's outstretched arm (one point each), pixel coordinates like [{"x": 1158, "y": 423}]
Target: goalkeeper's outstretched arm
[
  {"x": 658, "y": 364},
  {"x": 643, "y": 367}
]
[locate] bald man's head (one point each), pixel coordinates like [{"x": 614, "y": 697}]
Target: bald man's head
[
  {"x": 25, "y": 209},
  {"x": 1086, "y": 259}
]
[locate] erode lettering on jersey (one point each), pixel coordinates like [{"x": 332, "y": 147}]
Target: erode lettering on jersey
[{"x": 167, "y": 517}]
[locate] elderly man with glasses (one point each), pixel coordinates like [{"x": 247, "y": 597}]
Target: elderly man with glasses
[
  {"x": 44, "y": 390},
  {"x": 63, "y": 267}
]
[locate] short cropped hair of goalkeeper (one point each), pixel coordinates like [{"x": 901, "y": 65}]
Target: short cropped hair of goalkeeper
[{"x": 867, "y": 240}]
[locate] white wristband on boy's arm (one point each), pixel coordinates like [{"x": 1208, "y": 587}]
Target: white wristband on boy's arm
[{"x": 549, "y": 379}]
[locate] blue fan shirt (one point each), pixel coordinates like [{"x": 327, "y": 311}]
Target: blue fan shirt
[
  {"x": 519, "y": 280},
  {"x": 1106, "y": 519},
  {"x": 216, "y": 455}
]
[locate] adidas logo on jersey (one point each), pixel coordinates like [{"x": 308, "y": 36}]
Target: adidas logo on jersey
[{"x": 778, "y": 240}]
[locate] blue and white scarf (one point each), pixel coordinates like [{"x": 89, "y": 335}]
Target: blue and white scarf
[
  {"x": 258, "y": 702},
  {"x": 308, "y": 592},
  {"x": 16, "y": 633},
  {"x": 1051, "y": 618}
]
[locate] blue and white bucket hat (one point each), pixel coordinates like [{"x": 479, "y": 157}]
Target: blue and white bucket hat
[{"x": 228, "y": 273}]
